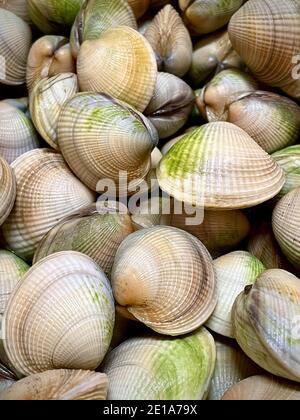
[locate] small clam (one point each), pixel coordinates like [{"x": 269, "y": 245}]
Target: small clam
[
  {"x": 15, "y": 41},
  {"x": 59, "y": 384},
  {"x": 234, "y": 272},
  {"x": 176, "y": 297},
  {"x": 47, "y": 192},
  {"x": 17, "y": 135},
  {"x": 171, "y": 104},
  {"x": 46, "y": 102},
  {"x": 170, "y": 41},
  {"x": 7, "y": 190},
  {"x": 152, "y": 367},
  {"x": 289, "y": 160},
  {"x": 18, "y": 7},
  {"x": 263, "y": 387},
  {"x": 266, "y": 318},
  {"x": 139, "y": 7},
  {"x": 121, "y": 64},
  {"x": 60, "y": 316},
  {"x": 219, "y": 166},
  {"x": 100, "y": 136},
  {"x": 286, "y": 226},
  {"x": 96, "y": 231}
]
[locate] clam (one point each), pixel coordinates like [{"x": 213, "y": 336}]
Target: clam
[
  {"x": 47, "y": 192},
  {"x": 176, "y": 297},
  {"x": 263, "y": 387},
  {"x": 273, "y": 121},
  {"x": 265, "y": 34},
  {"x": 96, "y": 231},
  {"x": 234, "y": 272},
  {"x": 60, "y": 316},
  {"x": 18, "y": 135},
  {"x": 48, "y": 56},
  {"x": 139, "y": 7},
  {"x": 203, "y": 16},
  {"x": 46, "y": 102},
  {"x": 15, "y": 41},
  {"x": 266, "y": 319},
  {"x": 171, "y": 105},
  {"x": 170, "y": 41},
  {"x": 232, "y": 365},
  {"x": 96, "y": 17},
  {"x": 212, "y": 53},
  {"x": 101, "y": 137},
  {"x": 18, "y": 7},
  {"x": 7, "y": 190},
  {"x": 286, "y": 226},
  {"x": 151, "y": 367},
  {"x": 121, "y": 64},
  {"x": 53, "y": 16},
  {"x": 59, "y": 384},
  {"x": 219, "y": 166},
  {"x": 226, "y": 87},
  {"x": 289, "y": 160}
]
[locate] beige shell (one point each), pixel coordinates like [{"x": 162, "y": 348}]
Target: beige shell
[
  {"x": 152, "y": 367},
  {"x": 219, "y": 166},
  {"x": 105, "y": 139},
  {"x": 47, "y": 192},
  {"x": 60, "y": 316},
  {"x": 49, "y": 56},
  {"x": 171, "y": 105},
  {"x": 139, "y": 7},
  {"x": 263, "y": 387},
  {"x": 232, "y": 365},
  {"x": 7, "y": 190},
  {"x": 15, "y": 41},
  {"x": 177, "y": 296},
  {"x": 121, "y": 64},
  {"x": 46, "y": 102},
  {"x": 286, "y": 226},
  {"x": 289, "y": 160},
  {"x": 59, "y": 384},
  {"x": 265, "y": 34},
  {"x": 234, "y": 272},
  {"x": 96, "y": 231},
  {"x": 18, "y": 135},
  {"x": 18, "y": 7},
  {"x": 266, "y": 321},
  {"x": 170, "y": 41}
]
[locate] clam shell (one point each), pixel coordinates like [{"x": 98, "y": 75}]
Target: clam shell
[
  {"x": 60, "y": 316},
  {"x": 161, "y": 368},
  {"x": 18, "y": 7},
  {"x": 179, "y": 295},
  {"x": 266, "y": 323},
  {"x": 170, "y": 41},
  {"x": 15, "y": 41},
  {"x": 286, "y": 226},
  {"x": 47, "y": 192},
  {"x": 7, "y": 190},
  {"x": 95, "y": 231},
  {"x": 289, "y": 161},
  {"x": 265, "y": 34},
  {"x": 234, "y": 272},
  {"x": 101, "y": 137},
  {"x": 121, "y": 64},
  {"x": 139, "y": 7},
  {"x": 59, "y": 384},
  {"x": 263, "y": 387},
  {"x": 219, "y": 166}
]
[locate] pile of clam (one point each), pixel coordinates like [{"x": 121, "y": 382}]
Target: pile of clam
[{"x": 100, "y": 299}]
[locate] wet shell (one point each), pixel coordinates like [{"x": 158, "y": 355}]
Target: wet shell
[
  {"x": 266, "y": 323},
  {"x": 59, "y": 385},
  {"x": 219, "y": 166},
  {"x": 47, "y": 192},
  {"x": 179, "y": 295},
  {"x": 234, "y": 272},
  {"x": 60, "y": 316},
  {"x": 15, "y": 41},
  {"x": 7, "y": 190},
  {"x": 289, "y": 161},
  {"x": 265, "y": 34},
  {"x": 170, "y": 41},
  {"x": 161, "y": 368},
  {"x": 121, "y": 64}
]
